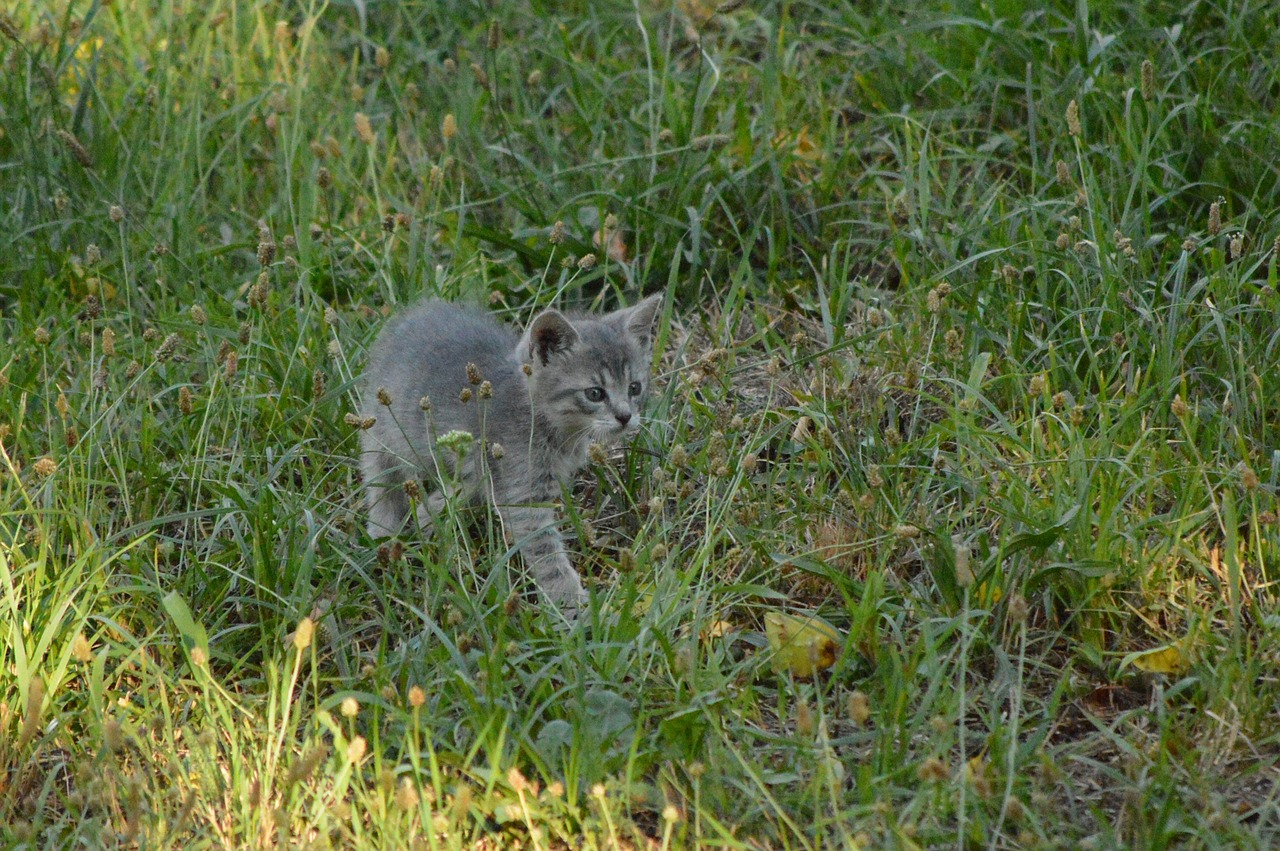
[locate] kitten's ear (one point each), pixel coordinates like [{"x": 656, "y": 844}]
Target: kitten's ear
[
  {"x": 550, "y": 333},
  {"x": 639, "y": 319}
]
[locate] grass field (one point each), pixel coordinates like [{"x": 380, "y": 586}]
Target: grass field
[{"x": 971, "y": 348}]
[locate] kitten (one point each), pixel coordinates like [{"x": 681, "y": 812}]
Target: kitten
[{"x": 532, "y": 403}]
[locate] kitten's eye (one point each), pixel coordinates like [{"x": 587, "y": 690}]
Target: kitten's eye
[
  {"x": 636, "y": 388},
  {"x": 594, "y": 394}
]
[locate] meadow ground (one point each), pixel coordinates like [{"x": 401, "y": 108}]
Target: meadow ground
[{"x": 971, "y": 349}]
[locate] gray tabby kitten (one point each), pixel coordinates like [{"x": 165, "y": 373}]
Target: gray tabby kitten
[{"x": 534, "y": 404}]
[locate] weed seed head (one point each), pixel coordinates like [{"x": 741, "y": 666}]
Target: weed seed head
[
  {"x": 934, "y": 300},
  {"x": 92, "y": 307},
  {"x": 1064, "y": 173},
  {"x": 112, "y": 735},
  {"x": 556, "y": 237},
  {"x": 350, "y": 707},
  {"x": 449, "y": 127},
  {"x": 364, "y": 131},
  {"x": 1018, "y": 608},
  {"x": 709, "y": 141},
  {"x": 303, "y": 635},
  {"x": 1237, "y": 246},
  {"x": 8, "y": 30},
  {"x": 407, "y": 796},
  {"x": 356, "y": 750},
  {"x": 1215, "y": 218},
  {"x": 587, "y": 262},
  {"x": 964, "y": 573},
  {"x": 78, "y": 151},
  {"x": 1037, "y": 386},
  {"x": 92, "y": 254},
  {"x": 934, "y": 770},
  {"x": 1073, "y": 118},
  {"x": 116, "y": 213},
  {"x": 384, "y": 397},
  {"x": 858, "y": 708},
  {"x": 168, "y": 347},
  {"x": 417, "y": 696},
  {"x": 874, "y": 477},
  {"x": 900, "y": 209},
  {"x": 184, "y": 401},
  {"x": 1249, "y": 479},
  {"x": 954, "y": 342},
  {"x": 1148, "y": 77},
  {"x": 41, "y": 336},
  {"x": 258, "y": 292},
  {"x": 804, "y": 719},
  {"x": 382, "y": 57},
  {"x": 266, "y": 252}
]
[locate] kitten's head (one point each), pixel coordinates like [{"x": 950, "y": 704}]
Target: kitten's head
[{"x": 589, "y": 376}]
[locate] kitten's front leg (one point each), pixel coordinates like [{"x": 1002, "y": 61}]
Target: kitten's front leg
[{"x": 533, "y": 530}]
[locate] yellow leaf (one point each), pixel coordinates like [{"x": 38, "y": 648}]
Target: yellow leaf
[
  {"x": 718, "y": 629},
  {"x": 1160, "y": 660},
  {"x": 987, "y": 595},
  {"x": 801, "y": 645}
]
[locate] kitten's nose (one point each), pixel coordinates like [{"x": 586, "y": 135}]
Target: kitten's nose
[{"x": 623, "y": 417}]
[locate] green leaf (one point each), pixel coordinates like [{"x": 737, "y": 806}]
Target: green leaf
[
  {"x": 1042, "y": 539},
  {"x": 193, "y": 634}
]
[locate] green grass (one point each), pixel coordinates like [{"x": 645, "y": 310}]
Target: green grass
[{"x": 996, "y": 396}]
